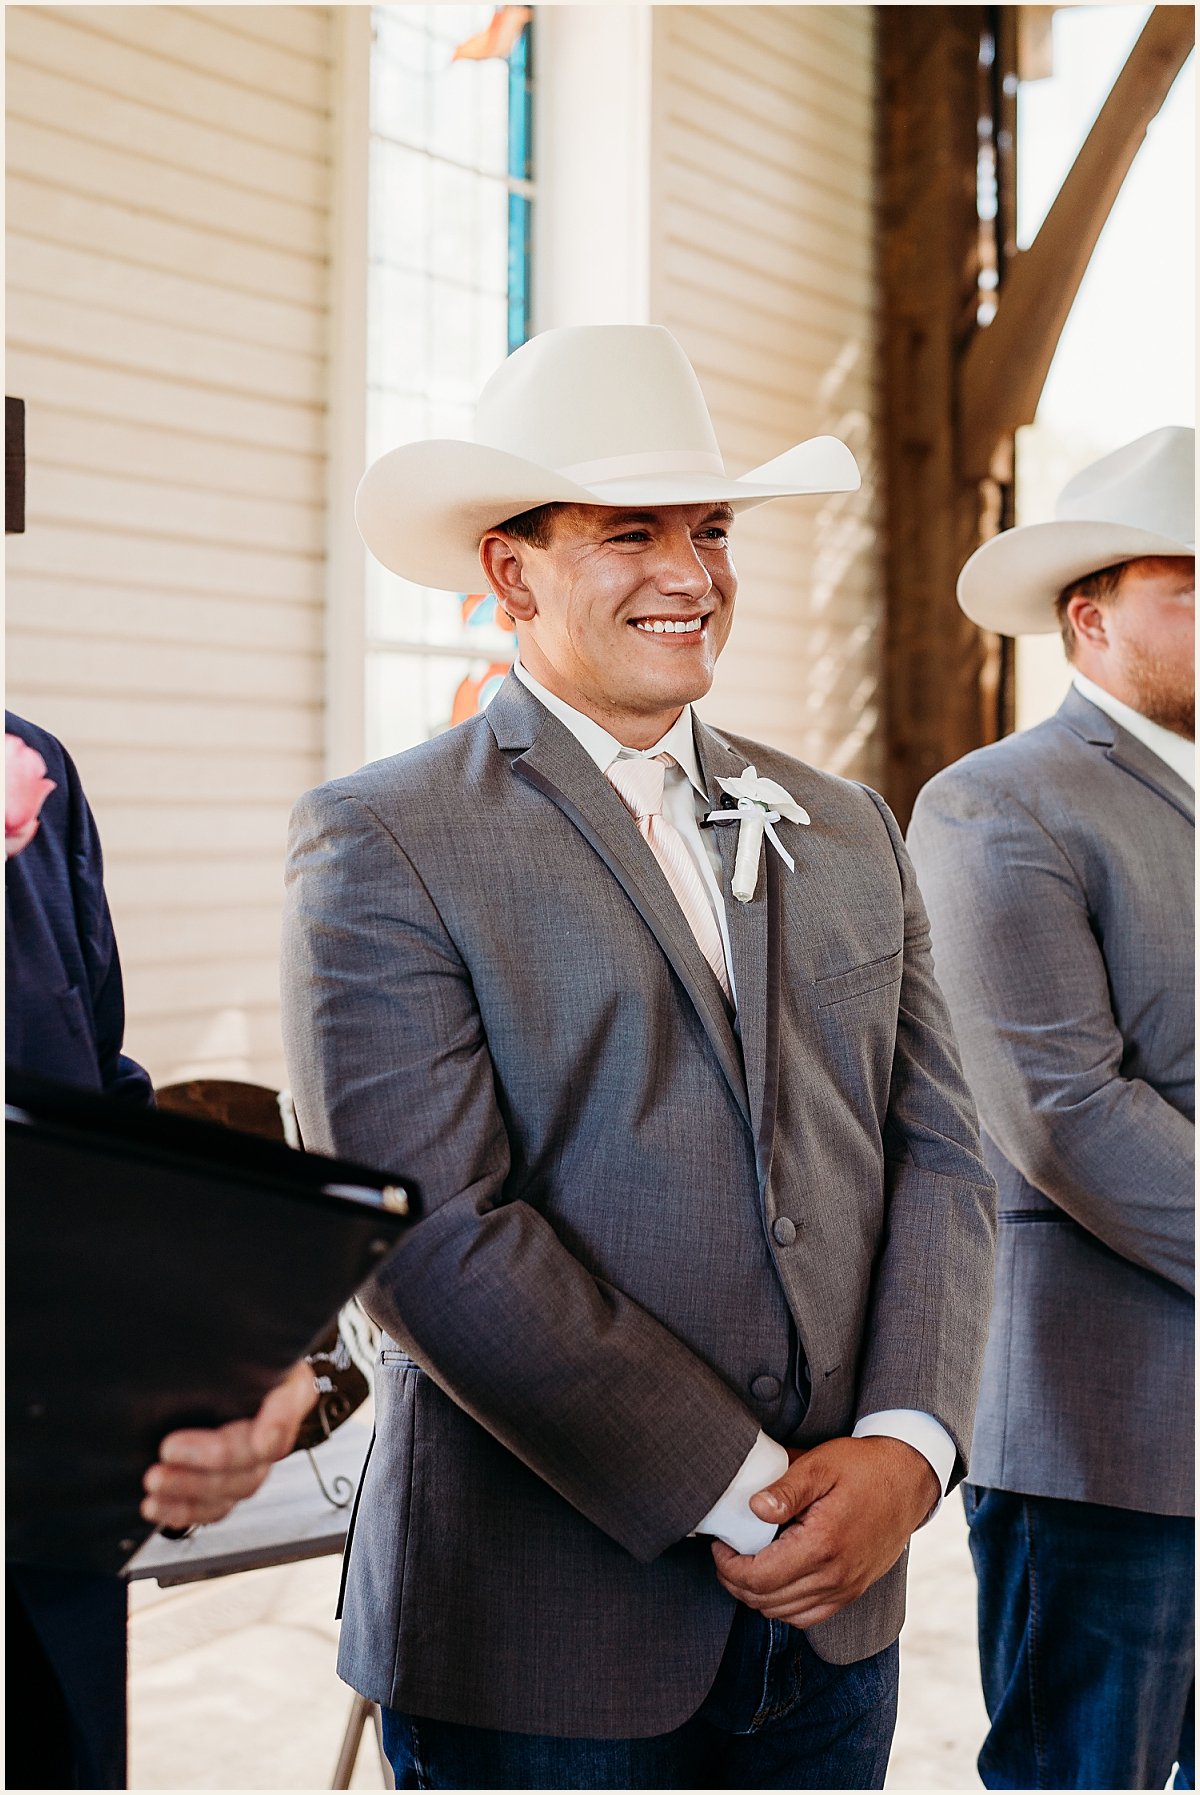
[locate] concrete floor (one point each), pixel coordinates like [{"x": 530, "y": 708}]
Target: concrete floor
[{"x": 232, "y": 1683}]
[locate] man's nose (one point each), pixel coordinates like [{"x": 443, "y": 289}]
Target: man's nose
[{"x": 681, "y": 568}]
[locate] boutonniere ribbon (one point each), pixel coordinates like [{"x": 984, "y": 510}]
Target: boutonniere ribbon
[{"x": 760, "y": 804}]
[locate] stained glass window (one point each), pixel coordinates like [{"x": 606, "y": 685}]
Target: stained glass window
[{"x": 451, "y": 205}]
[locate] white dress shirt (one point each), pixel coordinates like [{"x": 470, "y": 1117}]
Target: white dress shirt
[
  {"x": 1176, "y": 750},
  {"x": 731, "y": 1518}
]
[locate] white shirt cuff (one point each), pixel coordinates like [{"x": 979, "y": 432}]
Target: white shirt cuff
[
  {"x": 730, "y": 1518},
  {"x": 919, "y": 1430}
]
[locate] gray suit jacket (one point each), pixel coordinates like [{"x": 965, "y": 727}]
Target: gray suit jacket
[
  {"x": 1058, "y": 870},
  {"x": 635, "y": 1211}
]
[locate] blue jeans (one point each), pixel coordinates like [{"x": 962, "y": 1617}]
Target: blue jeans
[
  {"x": 1086, "y": 1643},
  {"x": 777, "y": 1717}
]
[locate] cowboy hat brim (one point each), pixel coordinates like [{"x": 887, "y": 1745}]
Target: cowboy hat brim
[
  {"x": 422, "y": 509},
  {"x": 1011, "y": 583}
]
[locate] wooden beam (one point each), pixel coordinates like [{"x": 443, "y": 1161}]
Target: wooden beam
[
  {"x": 955, "y": 389},
  {"x": 1005, "y": 366},
  {"x": 933, "y": 94}
]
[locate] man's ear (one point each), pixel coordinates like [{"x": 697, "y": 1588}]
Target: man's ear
[
  {"x": 1087, "y": 620},
  {"x": 503, "y": 569}
]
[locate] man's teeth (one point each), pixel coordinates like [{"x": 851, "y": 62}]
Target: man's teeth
[{"x": 657, "y": 627}]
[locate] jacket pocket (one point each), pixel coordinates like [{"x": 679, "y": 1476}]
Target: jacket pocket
[{"x": 856, "y": 982}]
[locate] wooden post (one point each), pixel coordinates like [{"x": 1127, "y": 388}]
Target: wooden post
[
  {"x": 965, "y": 362},
  {"x": 933, "y": 657}
]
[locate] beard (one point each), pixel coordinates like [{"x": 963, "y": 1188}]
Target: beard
[{"x": 1165, "y": 688}]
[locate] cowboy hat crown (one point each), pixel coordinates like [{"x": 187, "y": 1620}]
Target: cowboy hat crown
[
  {"x": 637, "y": 398},
  {"x": 1138, "y": 500},
  {"x": 599, "y": 414}
]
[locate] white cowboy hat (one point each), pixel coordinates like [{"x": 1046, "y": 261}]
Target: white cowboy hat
[
  {"x": 1140, "y": 500},
  {"x": 593, "y": 414}
]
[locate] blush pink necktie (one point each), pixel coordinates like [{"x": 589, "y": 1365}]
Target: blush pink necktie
[{"x": 639, "y": 784}]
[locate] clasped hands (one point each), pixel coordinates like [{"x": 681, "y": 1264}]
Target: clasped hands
[
  {"x": 203, "y": 1472},
  {"x": 846, "y": 1510}
]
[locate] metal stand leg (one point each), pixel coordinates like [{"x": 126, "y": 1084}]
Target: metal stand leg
[{"x": 361, "y": 1710}]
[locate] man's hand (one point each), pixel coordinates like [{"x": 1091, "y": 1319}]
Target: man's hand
[
  {"x": 855, "y": 1504},
  {"x": 204, "y": 1472}
]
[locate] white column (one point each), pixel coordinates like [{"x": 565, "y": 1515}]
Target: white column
[{"x": 592, "y": 165}]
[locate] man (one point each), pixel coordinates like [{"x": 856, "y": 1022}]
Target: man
[
  {"x": 1058, "y": 870},
  {"x": 65, "y": 1019},
  {"x": 700, "y": 1185}
]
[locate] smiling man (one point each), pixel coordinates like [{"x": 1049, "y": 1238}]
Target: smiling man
[
  {"x": 597, "y": 559},
  {"x": 686, "y": 1344}
]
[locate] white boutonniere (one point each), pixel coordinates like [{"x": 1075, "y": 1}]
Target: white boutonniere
[{"x": 760, "y": 804}]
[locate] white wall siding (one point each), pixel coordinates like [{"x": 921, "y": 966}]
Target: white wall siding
[
  {"x": 762, "y": 263},
  {"x": 168, "y": 277}
]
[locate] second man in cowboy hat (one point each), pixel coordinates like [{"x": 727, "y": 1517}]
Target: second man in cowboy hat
[
  {"x": 1058, "y": 870},
  {"x": 704, "y": 1213}
]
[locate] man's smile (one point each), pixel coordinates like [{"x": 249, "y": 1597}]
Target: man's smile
[{"x": 671, "y": 626}]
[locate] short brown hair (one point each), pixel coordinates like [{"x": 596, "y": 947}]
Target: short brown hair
[
  {"x": 532, "y": 526},
  {"x": 1098, "y": 586}
]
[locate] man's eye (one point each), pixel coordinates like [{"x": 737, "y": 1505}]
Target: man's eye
[
  {"x": 632, "y": 536},
  {"x": 716, "y": 532}
]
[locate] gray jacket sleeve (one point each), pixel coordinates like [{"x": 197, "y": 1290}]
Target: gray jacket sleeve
[
  {"x": 389, "y": 1065},
  {"x": 1025, "y": 979},
  {"x": 932, "y": 1291}
]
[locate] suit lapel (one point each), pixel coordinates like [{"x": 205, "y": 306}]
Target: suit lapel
[
  {"x": 1126, "y": 751},
  {"x": 755, "y": 940},
  {"x": 1134, "y": 756},
  {"x": 551, "y": 760}
]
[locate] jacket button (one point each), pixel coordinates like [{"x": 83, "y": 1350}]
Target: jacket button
[
  {"x": 784, "y": 1231},
  {"x": 765, "y": 1387}
]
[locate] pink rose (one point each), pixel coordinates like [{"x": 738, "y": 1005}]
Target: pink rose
[{"x": 26, "y": 789}]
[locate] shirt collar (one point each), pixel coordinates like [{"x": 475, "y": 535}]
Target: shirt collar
[
  {"x": 605, "y": 748},
  {"x": 1175, "y": 750}
]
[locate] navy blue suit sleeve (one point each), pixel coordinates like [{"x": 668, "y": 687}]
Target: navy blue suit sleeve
[
  {"x": 65, "y": 1015},
  {"x": 120, "y": 1076}
]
